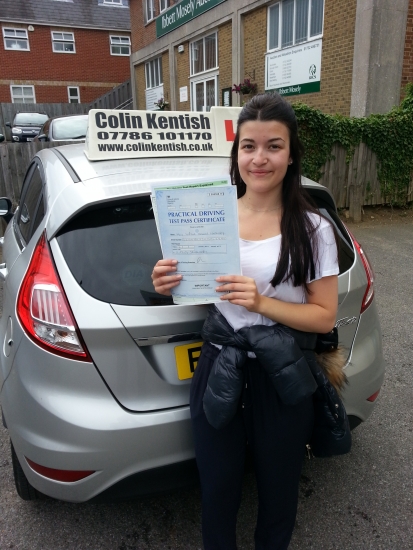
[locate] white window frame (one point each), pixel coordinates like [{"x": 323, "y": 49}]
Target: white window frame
[
  {"x": 149, "y": 9},
  {"x": 280, "y": 8},
  {"x": 56, "y": 39},
  {"x": 114, "y": 3},
  {"x": 207, "y": 75},
  {"x": 191, "y": 50},
  {"x": 119, "y": 41},
  {"x": 156, "y": 63},
  {"x": 70, "y": 97},
  {"x": 164, "y": 5},
  {"x": 14, "y": 98},
  {"x": 13, "y": 31}
]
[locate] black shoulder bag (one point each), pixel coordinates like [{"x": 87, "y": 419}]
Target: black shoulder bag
[{"x": 331, "y": 434}]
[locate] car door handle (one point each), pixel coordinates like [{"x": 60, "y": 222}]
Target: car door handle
[{"x": 3, "y": 272}]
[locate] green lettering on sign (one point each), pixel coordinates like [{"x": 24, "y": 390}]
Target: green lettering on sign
[
  {"x": 181, "y": 13},
  {"x": 298, "y": 89}
]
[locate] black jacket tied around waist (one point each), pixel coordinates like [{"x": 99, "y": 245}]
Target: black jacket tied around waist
[{"x": 279, "y": 349}]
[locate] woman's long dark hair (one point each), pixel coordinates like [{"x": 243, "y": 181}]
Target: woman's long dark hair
[{"x": 299, "y": 250}]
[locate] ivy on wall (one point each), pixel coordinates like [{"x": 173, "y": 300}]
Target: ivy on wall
[{"x": 389, "y": 136}]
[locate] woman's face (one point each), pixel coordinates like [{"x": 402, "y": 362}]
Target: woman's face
[{"x": 263, "y": 154}]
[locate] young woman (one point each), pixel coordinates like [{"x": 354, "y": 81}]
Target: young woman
[{"x": 289, "y": 277}]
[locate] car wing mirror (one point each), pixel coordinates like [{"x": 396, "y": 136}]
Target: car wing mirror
[
  {"x": 42, "y": 137},
  {"x": 6, "y": 209},
  {"x": 8, "y": 124},
  {"x": 1, "y": 138}
]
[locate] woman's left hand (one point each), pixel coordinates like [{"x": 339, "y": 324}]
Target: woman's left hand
[{"x": 240, "y": 291}]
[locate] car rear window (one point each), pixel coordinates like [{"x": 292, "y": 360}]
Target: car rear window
[
  {"x": 111, "y": 251},
  {"x": 70, "y": 128},
  {"x": 345, "y": 247},
  {"x": 323, "y": 201}
]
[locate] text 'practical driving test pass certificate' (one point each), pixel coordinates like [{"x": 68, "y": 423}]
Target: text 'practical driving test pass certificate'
[{"x": 198, "y": 226}]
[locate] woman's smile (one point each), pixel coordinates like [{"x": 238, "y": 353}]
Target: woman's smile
[{"x": 260, "y": 172}]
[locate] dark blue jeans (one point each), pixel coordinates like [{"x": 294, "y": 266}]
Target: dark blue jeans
[{"x": 276, "y": 434}]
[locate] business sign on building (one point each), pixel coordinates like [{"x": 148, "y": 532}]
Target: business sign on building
[
  {"x": 181, "y": 13},
  {"x": 295, "y": 70}
]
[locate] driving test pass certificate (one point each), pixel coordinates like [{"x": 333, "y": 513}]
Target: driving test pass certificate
[{"x": 199, "y": 228}]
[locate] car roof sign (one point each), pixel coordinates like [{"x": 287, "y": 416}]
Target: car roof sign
[{"x": 114, "y": 134}]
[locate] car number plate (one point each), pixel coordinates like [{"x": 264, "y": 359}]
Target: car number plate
[
  {"x": 29, "y": 139},
  {"x": 186, "y": 358}
]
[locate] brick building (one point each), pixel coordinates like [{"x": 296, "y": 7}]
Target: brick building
[
  {"x": 59, "y": 51},
  {"x": 352, "y": 57}
]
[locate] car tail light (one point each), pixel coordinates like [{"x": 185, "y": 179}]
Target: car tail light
[
  {"x": 43, "y": 309},
  {"x": 68, "y": 476},
  {"x": 369, "y": 294}
]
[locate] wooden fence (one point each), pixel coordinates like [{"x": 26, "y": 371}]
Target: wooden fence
[
  {"x": 353, "y": 185},
  {"x": 14, "y": 161}
]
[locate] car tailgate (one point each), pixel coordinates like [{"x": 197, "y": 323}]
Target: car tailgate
[{"x": 140, "y": 378}]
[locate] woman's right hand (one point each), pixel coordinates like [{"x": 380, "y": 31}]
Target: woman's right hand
[{"x": 163, "y": 282}]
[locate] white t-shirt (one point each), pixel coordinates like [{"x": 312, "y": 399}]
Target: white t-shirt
[{"x": 259, "y": 260}]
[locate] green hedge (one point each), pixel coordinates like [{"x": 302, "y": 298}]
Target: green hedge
[{"x": 389, "y": 136}]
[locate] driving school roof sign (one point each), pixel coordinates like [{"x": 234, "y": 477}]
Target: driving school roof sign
[
  {"x": 114, "y": 134},
  {"x": 181, "y": 13}
]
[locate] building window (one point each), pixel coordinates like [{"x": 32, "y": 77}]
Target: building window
[
  {"x": 120, "y": 45},
  {"x": 73, "y": 94},
  {"x": 63, "y": 42},
  {"x": 204, "y": 54},
  {"x": 22, "y": 94},
  {"x": 153, "y": 73},
  {"x": 149, "y": 10},
  {"x": 204, "y": 93},
  {"x": 164, "y": 5},
  {"x": 154, "y": 83},
  {"x": 294, "y": 21},
  {"x": 204, "y": 59},
  {"x": 15, "y": 39},
  {"x": 119, "y": 3}
]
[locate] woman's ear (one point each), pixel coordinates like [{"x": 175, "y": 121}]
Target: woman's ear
[{"x": 290, "y": 161}]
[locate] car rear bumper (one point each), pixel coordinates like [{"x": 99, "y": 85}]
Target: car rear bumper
[
  {"x": 67, "y": 419},
  {"x": 365, "y": 367}
]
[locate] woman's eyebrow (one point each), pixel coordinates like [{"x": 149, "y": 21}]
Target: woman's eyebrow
[{"x": 271, "y": 139}]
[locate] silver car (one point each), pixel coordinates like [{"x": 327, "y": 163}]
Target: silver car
[
  {"x": 95, "y": 366},
  {"x": 64, "y": 128}
]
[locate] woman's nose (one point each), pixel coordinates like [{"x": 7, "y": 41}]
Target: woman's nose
[{"x": 260, "y": 157}]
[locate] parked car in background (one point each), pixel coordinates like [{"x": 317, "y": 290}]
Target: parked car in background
[
  {"x": 95, "y": 366},
  {"x": 64, "y": 128},
  {"x": 26, "y": 126}
]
